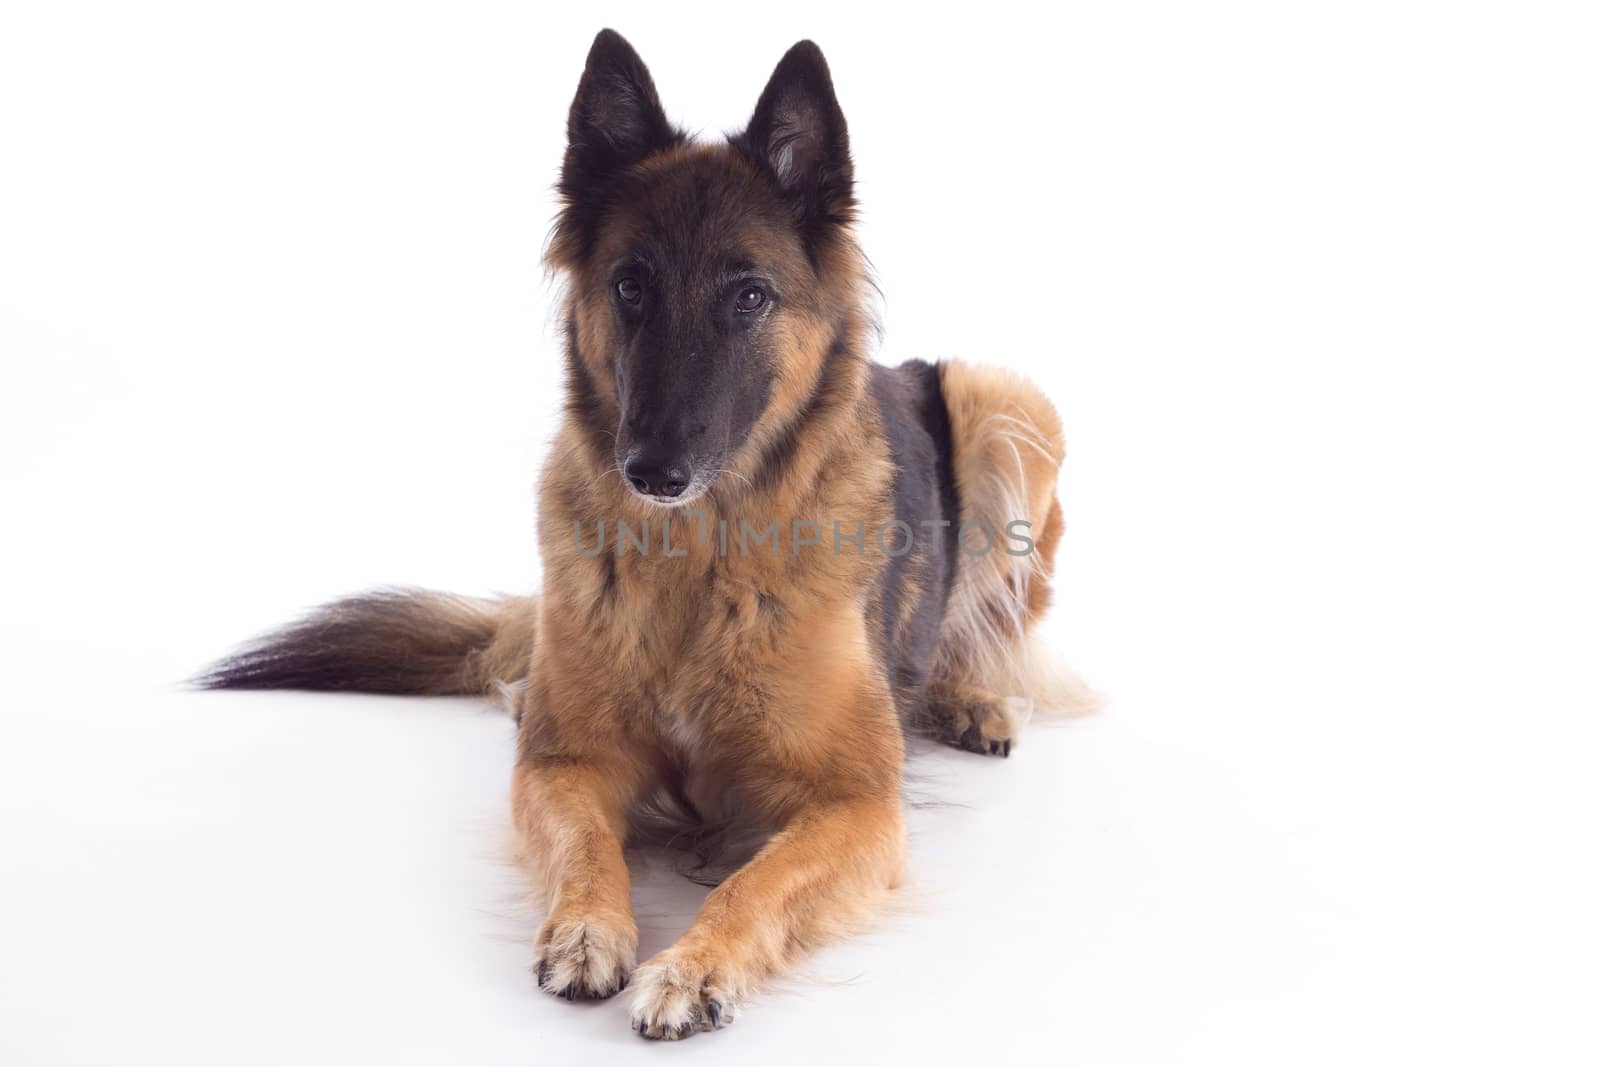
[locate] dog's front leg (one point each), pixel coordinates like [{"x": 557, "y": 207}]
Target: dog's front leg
[
  {"x": 571, "y": 817},
  {"x": 826, "y": 867}
]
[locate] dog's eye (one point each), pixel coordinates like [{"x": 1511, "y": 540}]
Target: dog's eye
[
  {"x": 750, "y": 299},
  {"x": 629, "y": 290}
]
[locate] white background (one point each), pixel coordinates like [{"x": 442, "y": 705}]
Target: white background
[{"x": 1313, "y": 286}]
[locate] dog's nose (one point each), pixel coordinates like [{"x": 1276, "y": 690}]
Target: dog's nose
[{"x": 656, "y": 477}]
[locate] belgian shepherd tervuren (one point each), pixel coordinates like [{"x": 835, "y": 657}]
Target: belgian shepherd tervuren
[{"x": 765, "y": 556}]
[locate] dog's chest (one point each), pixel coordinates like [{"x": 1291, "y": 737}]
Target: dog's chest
[{"x": 700, "y": 641}]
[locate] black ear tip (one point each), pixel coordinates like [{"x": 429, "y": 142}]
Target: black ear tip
[
  {"x": 805, "y": 54},
  {"x": 608, "y": 43}
]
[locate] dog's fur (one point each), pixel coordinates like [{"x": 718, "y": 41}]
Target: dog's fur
[{"x": 770, "y": 685}]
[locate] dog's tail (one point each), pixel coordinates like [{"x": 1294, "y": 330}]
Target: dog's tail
[
  {"x": 392, "y": 641},
  {"x": 1007, "y": 446}
]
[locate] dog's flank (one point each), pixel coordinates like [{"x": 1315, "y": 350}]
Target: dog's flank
[{"x": 717, "y": 326}]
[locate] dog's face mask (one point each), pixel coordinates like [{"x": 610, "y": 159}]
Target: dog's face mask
[{"x": 699, "y": 269}]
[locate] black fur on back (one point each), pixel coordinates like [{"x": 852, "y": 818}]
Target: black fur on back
[
  {"x": 917, "y": 427},
  {"x": 384, "y": 641}
]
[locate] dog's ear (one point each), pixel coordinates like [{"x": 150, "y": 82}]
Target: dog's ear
[
  {"x": 798, "y": 135},
  {"x": 616, "y": 118}
]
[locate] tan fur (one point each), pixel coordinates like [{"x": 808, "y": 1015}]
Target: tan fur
[
  {"x": 1008, "y": 446},
  {"x": 753, "y": 685},
  {"x": 501, "y": 666},
  {"x": 746, "y": 675},
  {"x": 752, "y": 680},
  {"x": 752, "y": 676},
  {"x": 760, "y": 685}
]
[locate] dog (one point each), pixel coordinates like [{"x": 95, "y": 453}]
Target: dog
[{"x": 768, "y": 558}]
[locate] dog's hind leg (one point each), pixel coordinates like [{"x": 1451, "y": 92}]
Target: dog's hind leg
[
  {"x": 973, "y": 719},
  {"x": 1007, "y": 447}
]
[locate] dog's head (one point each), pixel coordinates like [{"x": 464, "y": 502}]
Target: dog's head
[{"x": 704, "y": 278}]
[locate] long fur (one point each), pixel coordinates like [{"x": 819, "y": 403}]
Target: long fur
[
  {"x": 1008, "y": 446},
  {"x": 708, "y": 697},
  {"x": 397, "y": 641}
]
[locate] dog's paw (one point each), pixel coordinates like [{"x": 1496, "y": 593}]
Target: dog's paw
[
  {"x": 587, "y": 957},
  {"x": 992, "y": 726},
  {"x": 676, "y": 995}
]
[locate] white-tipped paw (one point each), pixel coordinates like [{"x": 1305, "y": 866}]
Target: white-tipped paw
[
  {"x": 588, "y": 958},
  {"x": 675, "y": 997}
]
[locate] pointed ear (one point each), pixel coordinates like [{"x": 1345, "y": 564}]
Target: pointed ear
[
  {"x": 616, "y": 118},
  {"x": 798, "y": 135}
]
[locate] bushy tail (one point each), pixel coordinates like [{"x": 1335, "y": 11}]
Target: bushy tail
[{"x": 391, "y": 641}]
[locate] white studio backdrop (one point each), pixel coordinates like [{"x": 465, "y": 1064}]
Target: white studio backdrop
[{"x": 1314, "y": 287}]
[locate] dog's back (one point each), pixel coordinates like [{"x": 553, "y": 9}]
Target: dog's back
[{"x": 977, "y": 451}]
